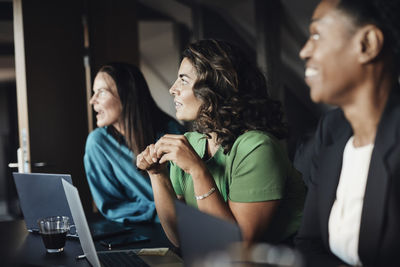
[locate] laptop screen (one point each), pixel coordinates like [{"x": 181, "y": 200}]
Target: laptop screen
[
  {"x": 201, "y": 234},
  {"x": 81, "y": 224},
  {"x": 41, "y": 195}
]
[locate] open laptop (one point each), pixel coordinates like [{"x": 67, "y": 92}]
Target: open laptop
[
  {"x": 201, "y": 234},
  {"x": 106, "y": 258},
  {"x": 42, "y": 195}
]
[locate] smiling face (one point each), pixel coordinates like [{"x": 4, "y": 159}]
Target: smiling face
[
  {"x": 186, "y": 104},
  {"x": 106, "y": 102},
  {"x": 330, "y": 53}
]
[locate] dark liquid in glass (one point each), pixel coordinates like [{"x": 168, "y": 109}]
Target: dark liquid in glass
[{"x": 54, "y": 240}]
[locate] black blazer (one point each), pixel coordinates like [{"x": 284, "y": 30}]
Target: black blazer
[{"x": 379, "y": 242}]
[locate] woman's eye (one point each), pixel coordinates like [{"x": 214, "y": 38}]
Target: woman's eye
[
  {"x": 315, "y": 36},
  {"x": 102, "y": 93},
  {"x": 184, "y": 81}
]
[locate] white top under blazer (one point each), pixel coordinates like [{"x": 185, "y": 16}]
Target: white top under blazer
[{"x": 345, "y": 216}]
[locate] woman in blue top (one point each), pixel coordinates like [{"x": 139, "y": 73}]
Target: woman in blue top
[{"x": 128, "y": 121}]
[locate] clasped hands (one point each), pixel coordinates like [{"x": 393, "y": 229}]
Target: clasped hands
[{"x": 170, "y": 147}]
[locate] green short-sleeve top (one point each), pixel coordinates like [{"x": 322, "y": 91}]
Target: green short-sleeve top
[{"x": 255, "y": 169}]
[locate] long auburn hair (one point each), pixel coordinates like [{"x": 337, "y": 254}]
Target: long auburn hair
[
  {"x": 142, "y": 118},
  {"x": 234, "y": 93}
]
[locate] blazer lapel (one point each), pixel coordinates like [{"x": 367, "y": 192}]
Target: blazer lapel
[
  {"x": 374, "y": 207},
  {"x": 331, "y": 165}
]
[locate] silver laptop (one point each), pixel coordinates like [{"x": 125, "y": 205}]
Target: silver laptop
[
  {"x": 201, "y": 234},
  {"x": 41, "y": 195},
  {"x": 104, "y": 258}
]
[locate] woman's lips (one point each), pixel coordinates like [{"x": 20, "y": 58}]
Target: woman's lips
[
  {"x": 310, "y": 72},
  {"x": 177, "y": 104},
  {"x": 99, "y": 113}
]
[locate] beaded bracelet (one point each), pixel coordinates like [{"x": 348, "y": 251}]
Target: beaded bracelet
[{"x": 206, "y": 194}]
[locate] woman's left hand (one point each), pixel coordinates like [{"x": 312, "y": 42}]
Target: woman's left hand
[
  {"x": 147, "y": 160},
  {"x": 176, "y": 148}
]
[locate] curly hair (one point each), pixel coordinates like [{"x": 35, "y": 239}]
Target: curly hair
[
  {"x": 382, "y": 13},
  {"x": 234, "y": 93}
]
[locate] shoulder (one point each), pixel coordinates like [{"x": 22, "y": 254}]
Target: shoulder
[
  {"x": 96, "y": 136},
  {"x": 332, "y": 118},
  {"x": 332, "y": 126},
  {"x": 259, "y": 143},
  {"x": 253, "y": 139},
  {"x": 99, "y": 139}
]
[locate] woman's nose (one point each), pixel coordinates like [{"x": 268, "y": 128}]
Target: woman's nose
[
  {"x": 305, "y": 51},
  {"x": 92, "y": 99},
  {"x": 172, "y": 90}
]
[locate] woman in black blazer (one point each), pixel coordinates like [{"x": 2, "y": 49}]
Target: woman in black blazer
[{"x": 352, "y": 211}]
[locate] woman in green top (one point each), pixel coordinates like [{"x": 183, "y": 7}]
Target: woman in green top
[{"x": 232, "y": 165}]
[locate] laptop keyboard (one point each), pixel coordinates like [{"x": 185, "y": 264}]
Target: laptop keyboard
[{"x": 121, "y": 258}]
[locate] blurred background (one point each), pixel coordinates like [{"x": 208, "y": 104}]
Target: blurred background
[{"x": 50, "y": 51}]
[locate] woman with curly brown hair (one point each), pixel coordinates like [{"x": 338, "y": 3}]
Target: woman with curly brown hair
[{"x": 232, "y": 166}]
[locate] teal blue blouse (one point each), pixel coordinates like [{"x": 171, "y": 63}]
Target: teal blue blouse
[{"x": 121, "y": 192}]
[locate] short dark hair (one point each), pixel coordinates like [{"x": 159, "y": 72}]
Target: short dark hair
[
  {"x": 234, "y": 93},
  {"x": 142, "y": 118},
  {"x": 385, "y": 14}
]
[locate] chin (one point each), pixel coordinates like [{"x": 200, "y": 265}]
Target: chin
[
  {"x": 316, "y": 96},
  {"x": 315, "y": 99},
  {"x": 180, "y": 116},
  {"x": 184, "y": 119},
  {"x": 100, "y": 124},
  {"x": 185, "y": 116}
]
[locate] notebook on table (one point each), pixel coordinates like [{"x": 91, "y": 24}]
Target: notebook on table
[
  {"x": 102, "y": 258},
  {"x": 42, "y": 195}
]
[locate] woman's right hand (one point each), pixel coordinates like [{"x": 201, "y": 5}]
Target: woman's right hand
[
  {"x": 177, "y": 149},
  {"x": 148, "y": 161}
]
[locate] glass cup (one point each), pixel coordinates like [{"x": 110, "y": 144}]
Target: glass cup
[{"x": 54, "y": 232}]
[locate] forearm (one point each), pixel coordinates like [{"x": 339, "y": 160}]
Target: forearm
[
  {"x": 252, "y": 218},
  {"x": 214, "y": 204},
  {"x": 164, "y": 197}
]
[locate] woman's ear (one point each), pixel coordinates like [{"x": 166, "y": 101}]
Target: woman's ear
[{"x": 371, "y": 43}]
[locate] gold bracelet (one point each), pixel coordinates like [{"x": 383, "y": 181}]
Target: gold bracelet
[{"x": 206, "y": 194}]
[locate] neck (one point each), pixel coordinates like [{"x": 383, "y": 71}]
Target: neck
[
  {"x": 364, "y": 112},
  {"x": 118, "y": 126}
]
